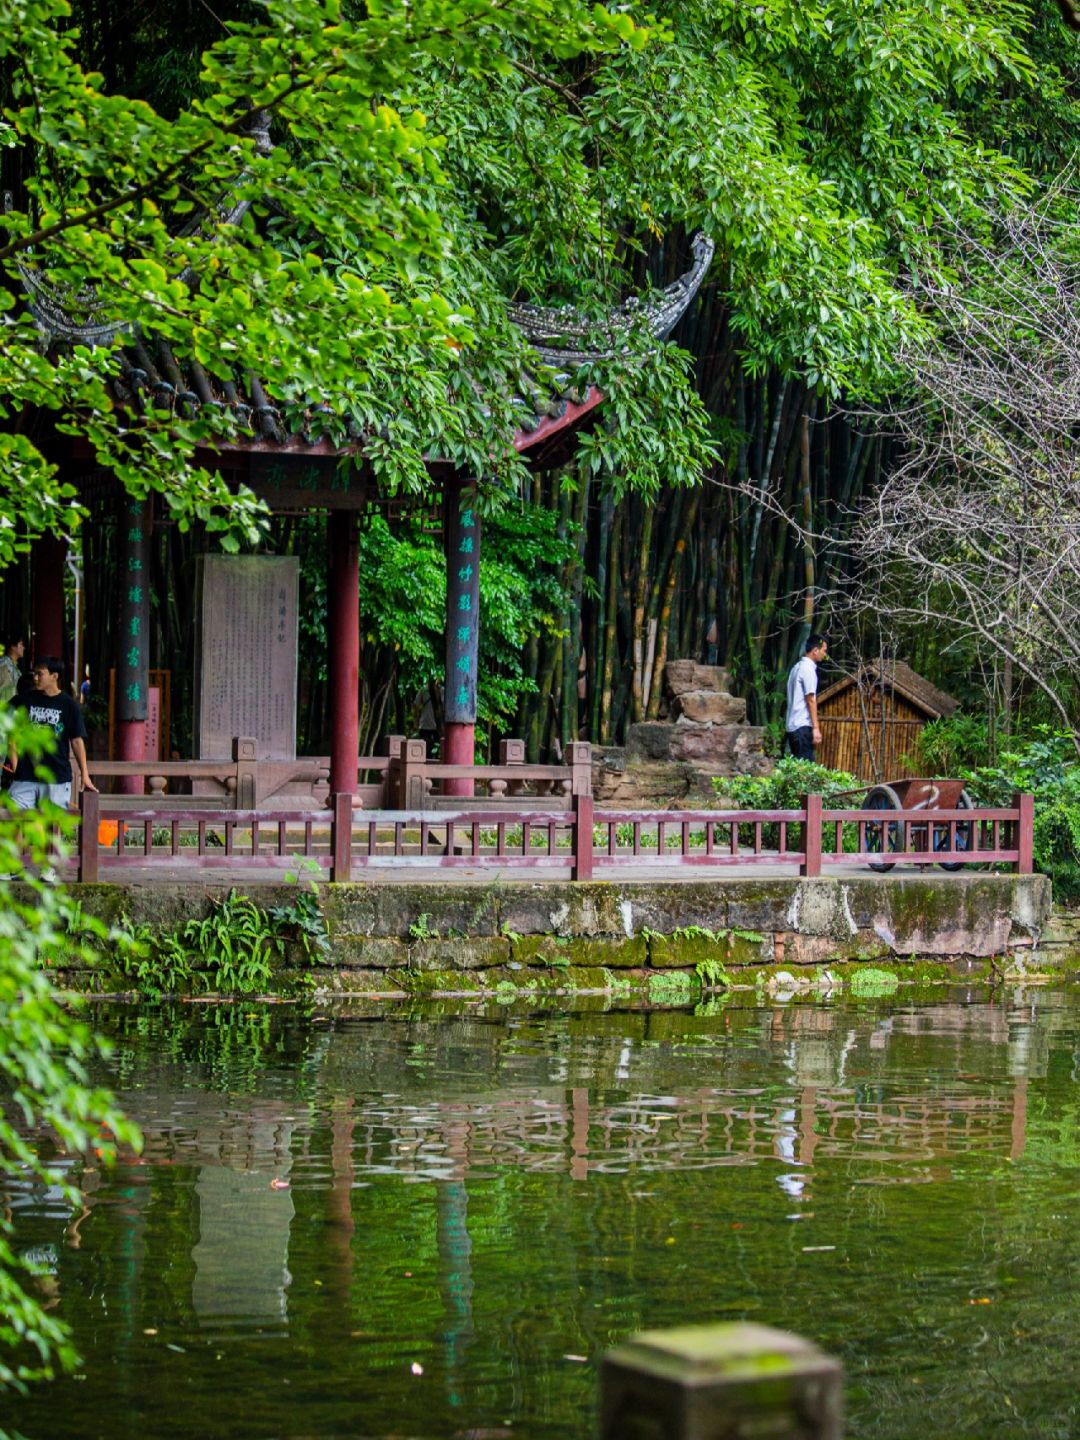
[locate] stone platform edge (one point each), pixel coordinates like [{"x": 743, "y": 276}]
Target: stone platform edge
[{"x": 606, "y": 935}]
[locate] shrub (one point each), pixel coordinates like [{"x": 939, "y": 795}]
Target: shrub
[
  {"x": 945, "y": 747},
  {"x": 784, "y": 790},
  {"x": 1047, "y": 768},
  {"x": 786, "y": 786},
  {"x": 48, "y": 1051}
]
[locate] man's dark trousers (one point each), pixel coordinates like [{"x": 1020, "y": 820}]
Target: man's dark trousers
[{"x": 801, "y": 742}]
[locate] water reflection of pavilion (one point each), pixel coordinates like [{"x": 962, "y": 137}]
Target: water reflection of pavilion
[{"x": 927, "y": 1084}]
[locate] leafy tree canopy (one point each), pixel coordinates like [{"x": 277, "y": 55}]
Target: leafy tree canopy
[
  {"x": 304, "y": 261},
  {"x": 430, "y": 159}
]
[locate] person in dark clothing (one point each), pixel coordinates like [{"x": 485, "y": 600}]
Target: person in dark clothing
[{"x": 48, "y": 705}]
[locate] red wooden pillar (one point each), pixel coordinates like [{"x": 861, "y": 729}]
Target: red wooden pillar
[
  {"x": 461, "y": 528},
  {"x": 343, "y": 615},
  {"x": 48, "y": 557}
]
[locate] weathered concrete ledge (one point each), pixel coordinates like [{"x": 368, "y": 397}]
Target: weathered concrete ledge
[{"x": 606, "y": 935}]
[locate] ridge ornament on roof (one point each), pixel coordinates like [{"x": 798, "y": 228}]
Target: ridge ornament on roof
[{"x": 562, "y": 336}]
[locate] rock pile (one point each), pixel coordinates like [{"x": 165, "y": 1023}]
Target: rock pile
[{"x": 668, "y": 760}]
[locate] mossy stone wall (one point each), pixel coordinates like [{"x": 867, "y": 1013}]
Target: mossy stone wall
[{"x": 552, "y": 937}]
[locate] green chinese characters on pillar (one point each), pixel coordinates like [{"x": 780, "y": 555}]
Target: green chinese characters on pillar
[
  {"x": 132, "y": 660},
  {"x": 462, "y": 532}
]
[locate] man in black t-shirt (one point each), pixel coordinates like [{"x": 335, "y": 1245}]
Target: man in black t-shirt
[{"x": 48, "y": 705}]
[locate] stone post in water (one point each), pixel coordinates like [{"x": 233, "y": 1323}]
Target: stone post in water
[{"x": 720, "y": 1382}]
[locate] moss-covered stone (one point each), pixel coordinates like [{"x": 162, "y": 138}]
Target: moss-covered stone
[
  {"x": 556, "y": 951},
  {"x": 562, "y": 931},
  {"x": 368, "y": 952},
  {"x": 686, "y": 949},
  {"x": 665, "y": 906},
  {"x": 456, "y": 910},
  {"x": 574, "y": 910},
  {"x": 458, "y": 955},
  {"x": 349, "y": 910},
  {"x": 759, "y": 904},
  {"x": 540, "y": 950}
]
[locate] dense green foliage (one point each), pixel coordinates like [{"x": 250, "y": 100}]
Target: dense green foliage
[
  {"x": 49, "y": 1108},
  {"x": 525, "y": 559},
  {"x": 785, "y": 788},
  {"x": 1047, "y": 768},
  {"x": 303, "y": 261},
  {"x": 427, "y": 166}
]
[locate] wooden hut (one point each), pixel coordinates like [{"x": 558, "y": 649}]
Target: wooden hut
[{"x": 871, "y": 721}]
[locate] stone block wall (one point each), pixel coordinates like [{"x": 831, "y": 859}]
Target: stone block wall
[{"x": 657, "y": 938}]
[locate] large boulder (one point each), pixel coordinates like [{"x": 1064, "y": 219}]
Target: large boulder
[
  {"x": 650, "y": 740},
  {"x": 712, "y": 707},
  {"x": 717, "y": 749},
  {"x": 681, "y": 676},
  {"x": 722, "y": 749}
]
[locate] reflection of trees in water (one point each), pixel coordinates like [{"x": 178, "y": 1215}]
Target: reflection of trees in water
[
  {"x": 594, "y": 1094},
  {"x": 567, "y": 1153}
]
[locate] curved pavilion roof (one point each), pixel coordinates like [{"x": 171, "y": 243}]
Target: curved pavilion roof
[{"x": 150, "y": 373}]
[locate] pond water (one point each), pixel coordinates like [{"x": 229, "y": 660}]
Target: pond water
[{"x": 434, "y": 1222}]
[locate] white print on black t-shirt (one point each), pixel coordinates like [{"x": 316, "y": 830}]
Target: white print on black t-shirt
[{"x": 43, "y": 715}]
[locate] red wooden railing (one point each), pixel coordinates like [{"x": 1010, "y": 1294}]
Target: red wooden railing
[
  {"x": 404, "y": 777},
  {"x": 338, "y": 842}
]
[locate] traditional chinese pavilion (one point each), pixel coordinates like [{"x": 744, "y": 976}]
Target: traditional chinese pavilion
[{"x": 293, "y": 470}]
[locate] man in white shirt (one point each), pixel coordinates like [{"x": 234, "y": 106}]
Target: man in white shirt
[{"x": 803, "y": 731}]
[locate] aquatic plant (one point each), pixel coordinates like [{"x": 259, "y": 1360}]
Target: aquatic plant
[{"x": 872, "y": 981}]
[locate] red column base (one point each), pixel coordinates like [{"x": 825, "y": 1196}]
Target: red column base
[
  {"x": 458, "y": 748},
  {"x": 131, "y": 745}
]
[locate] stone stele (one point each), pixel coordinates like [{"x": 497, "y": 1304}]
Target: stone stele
[{"x": 245, "y": 671}]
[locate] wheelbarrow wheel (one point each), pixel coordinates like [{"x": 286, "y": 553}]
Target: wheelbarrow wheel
[
  {"x": 965, "y": 834},
  {"x": 882, "y": 838}
]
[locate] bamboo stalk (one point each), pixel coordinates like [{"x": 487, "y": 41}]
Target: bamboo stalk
[
  {"x": 640, "y": 596},
  {"x": 670, "y": 583},
  {"x": 610, "y": 631}
]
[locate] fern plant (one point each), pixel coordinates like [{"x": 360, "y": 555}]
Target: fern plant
[
  {"x": 237, "y": 942},
  {"x": 712, "y": 974}
]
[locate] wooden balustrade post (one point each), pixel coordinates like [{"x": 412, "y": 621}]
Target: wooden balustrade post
[
  {"x": 583, "y": 837},
  {"x": 245, "y": 754},
  {"x": 811, "y": 836},
  {"x": 511, "y": 752},
  {"x": 89, "y": 819},
  {"x": 341, "y": 838},
  {"x": 579, "y": 758},
  {"x": 411, "y": 762},
  {"x": 700, "y": 1382},
  {"x": 1025, "y": 835}
]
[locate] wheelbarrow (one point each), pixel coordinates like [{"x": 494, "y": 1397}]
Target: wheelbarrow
[{"x": 918, "y": 794}]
